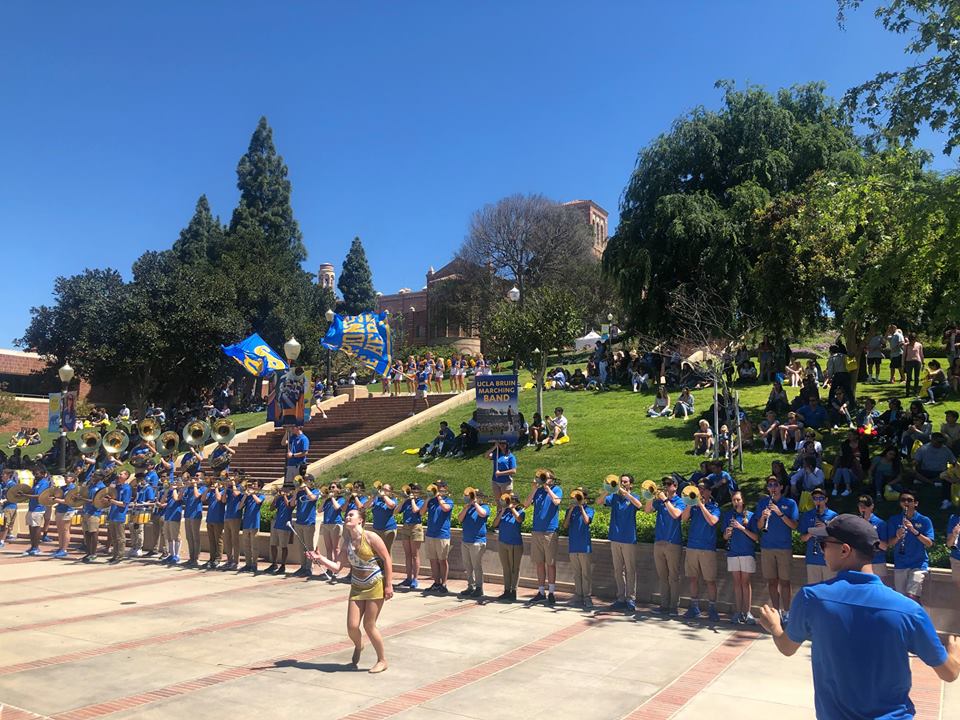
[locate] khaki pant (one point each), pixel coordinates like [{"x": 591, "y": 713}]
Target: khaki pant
[
  {"x": 171, "y": 530},
  {"x": 307, "y": 534},
  {"x": 666, "y": 556},
  {"x": 215, "y": 538},
  {"x": 193, "y": 538},
  {"x": 473, "y": 563},
  {"x": 248, "y": 543},
  {"x": 581, "y": 564},
  {"x": 154, "y": 533},
  {"x": 818, "y": 574},
  {"x": 624, "y": 569},
  {"x": 118, "y": 540},
  {"x": 231, "y": 540},
  {"x": 388, "y": 536},
  {"x": 510, "y": 556},
  {"x": 543, "y": 547},
  {"x": 136, "y": 536}
]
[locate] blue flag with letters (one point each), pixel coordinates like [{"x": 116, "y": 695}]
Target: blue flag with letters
[
  {"x": 256, "y": 357},
  {"x": 365, "y": 336}
]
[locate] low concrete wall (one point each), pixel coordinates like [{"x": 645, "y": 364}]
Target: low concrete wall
[{"x": 939, "y": 592}]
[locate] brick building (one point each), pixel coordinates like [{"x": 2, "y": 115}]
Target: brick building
[
  {"x": 27, "y": 376},
  {"x": 596, "y": 217}
]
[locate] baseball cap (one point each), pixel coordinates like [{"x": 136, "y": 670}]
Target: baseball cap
[{"x": 852, "y": 530}]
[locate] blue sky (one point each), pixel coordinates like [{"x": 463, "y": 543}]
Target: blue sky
[{"x": 397, "y": 120}]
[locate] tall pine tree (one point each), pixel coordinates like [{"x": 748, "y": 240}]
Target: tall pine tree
[
  {"x": 356, "y": 282},
  {"x": 200, "y": 237}
]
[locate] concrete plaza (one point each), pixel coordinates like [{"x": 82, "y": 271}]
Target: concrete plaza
[{"x": 140, "y": 640}]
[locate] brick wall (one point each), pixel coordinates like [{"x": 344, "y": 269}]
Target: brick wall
[{"x": 38, "y": 413}]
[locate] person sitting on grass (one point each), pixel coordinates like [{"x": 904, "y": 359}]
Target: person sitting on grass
[
  {"x": 885, "y": 470},
  {"x": 725, "y": 445},
  {"x": 804, "y": 480},
  {"x": 703, "y": 438},
  {"x": 556, "y": 427},
  {"x": 777, "y": 400},
  {"x": 813, "y": 414},
  {"x": 661, "y": 404},
  {"x": 441, "y": 444},
  {"x": 795, "y": 373},
  {"x": 791, "y": 431},
  {"x": 840, "y": 407},
  {"x": 930, "y": 461},
  {"x": 868, "y": 415},
  {"x": 721, "y": 483},
  {"x": 939, "y": 386},
  {"x": 684, "y": 406},
  {"x": 770, "y": 430},
  {"x": 950, "y": 429},
  {"x": 808, "y": 446},
  {"x": 537, "y": 432},
  {"x": 578, "y": 381}
]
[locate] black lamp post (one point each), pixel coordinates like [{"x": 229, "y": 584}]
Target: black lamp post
[{"x": 66, "y": 375}]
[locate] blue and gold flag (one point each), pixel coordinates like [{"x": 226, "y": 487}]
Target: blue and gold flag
[
  {"x": 256, "y": 357},
  {"x": 365, "y": 336}
]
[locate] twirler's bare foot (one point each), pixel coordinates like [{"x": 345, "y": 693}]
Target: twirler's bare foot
[{"x": 379, "y": 667}]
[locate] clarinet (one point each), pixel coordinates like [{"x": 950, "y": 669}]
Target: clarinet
[{"x": 902, "y": 545}]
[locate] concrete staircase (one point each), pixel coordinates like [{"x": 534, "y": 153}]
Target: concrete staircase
[{"x": 263, "y": 459}]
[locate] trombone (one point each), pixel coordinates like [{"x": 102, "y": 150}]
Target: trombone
[
  {"x": 507, "y": 501},
  {"x": 411, "y": 490},
  {"x": 434, "y": 490},
  {"x": 612, "y": 481},
  {"x": 649, "y": 490},
  {"x": 581, "y": 496},
  {"x": 378, "y": 486},
  {"x": 691, "y": 493},
  {"x": 474, "y": 494},
  {"x": 542, "y": 475}
]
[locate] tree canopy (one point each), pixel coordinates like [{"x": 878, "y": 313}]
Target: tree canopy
[{"x": 356, "y": 281}]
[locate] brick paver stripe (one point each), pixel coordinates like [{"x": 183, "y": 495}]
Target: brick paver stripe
[{"x": 88, "y": 593}]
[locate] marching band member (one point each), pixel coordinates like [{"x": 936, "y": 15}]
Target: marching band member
[
  {"x": 167, "y": 466},
  {"x": 666, "y": 546},
  {"x": 298, "y": 447},
  {"x": 231, "y": 496},
  {"x": 740, "y": 532},
  {"x": 411, "y": 534},
  {"x": 504, "y": 468},
  {"x": 283, "y": 505},
  {"x": 369, "y": 584},
  {"x": 508, "y": 523},
  {"x": 953, "y": 544},
  {"x": 216, "y": 505},
  {"x": 150, "y": 475},
  {"x": 250, "y": 507},
  {"x": 473, "y": 520},
  {"x": 438, "y": 509},
  {"x": 154, "y": 541},
  {"x": 622, "y": 534},
  {"x": 117, "y": 515},
  {"x": 817, "y": 570},
  {"x": 64, "y": 515},
  {"x": 865, "y": 505},
  {"x": 330, "y": 529},
  {"x": 140, "y": 452},
  {"x": 193, "y": 495},
  {"x": 172, "y": 515},
  {"x": 9, "y": 508},
  {"x": 192, "y": 461},
  {"x": 545, "y": 499},
  {"x": 35, "y": 512},
  {"x": 306, "y": 501},
  {"x": 40, "y": 473},
  {"x": 218, "y": 452},
  {"x": 777, "y": 517},
  {"x": 911, "y": 534},
  {"x": 701, "y": 557},
  {"x": 145, "y": 497},
  {"x": 356, "y": 500},
  {"x": 91, "y": 519},
  {"x": 383, "y": 506},
  {"x": 577, "y": 523}
]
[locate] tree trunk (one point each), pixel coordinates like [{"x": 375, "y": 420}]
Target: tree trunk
[
  {"x": 538, "y": 381},
  {"x": 852, "y": 338}
]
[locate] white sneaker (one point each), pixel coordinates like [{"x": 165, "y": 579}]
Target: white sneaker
[
  {"x": 945, "y": 505},
  {"x": 834, "y": 493},
  {"x": 845, "y": 493}
]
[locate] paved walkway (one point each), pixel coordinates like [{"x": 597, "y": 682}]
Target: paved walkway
[{"x": 141, "y": 640}]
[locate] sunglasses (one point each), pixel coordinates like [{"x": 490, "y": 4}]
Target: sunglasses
[
  {"x": 823, "y": 542},
  {"x": 819, "y": 498},
  {"x": 907, "y": 501}
]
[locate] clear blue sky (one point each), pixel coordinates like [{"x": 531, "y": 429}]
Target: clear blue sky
[{"x": 397, "y": 119}]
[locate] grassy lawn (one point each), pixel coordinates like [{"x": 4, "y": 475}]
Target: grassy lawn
[{"x": 610, "y": 433}]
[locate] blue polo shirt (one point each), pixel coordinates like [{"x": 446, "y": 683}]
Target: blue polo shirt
[
  {"x": 146, "y": 495},
  {"x": 215, "y": 508},
  {"x": 89, "y": 508},
  {"x": 951, "y": 524},
  {"x": 808, "y": 520},
  {"x": 502, "y": 463},
  {"x": 545, "y": 513},
  {"x": 217, "y": 453},
  {"x": 306, "y": 509},
  {"x": 151, "y": 478},
  {"x": 139, "y": 452},
  {"x": 666, "y": 528},
  {"x": 879, "y": 557},
  {"x": 173, "y": 512},
  {"x": 854, "y": 617},
  {"x": 61, "y": 508},
  {"x": 722, "y": 479},
  {"x": 231, "y": 509},
  {"x": 623, "y": 519},
  {"x": 910, "y": 554},
  {"x": 701, "y": 535},
  {"x": 474, "y": 526},
  {"x": 382, "y": 513},
  {"x": 34, "y": 503},
  {"x": 409, "y": 516},
  {"x": 778, "y": 536},
  {"x": 740, "y": 545},
  {"x": 579, "y": 539},
  {"x": 191, "y": 463},
  {"x": 124, "y": 495},
  {"x": 813, "y": 417},
  {"x": 283, "y": 515},
  {"x": 508, "y": 531},
  {"x": 7, "y": 505},
  {"x": 438, "y": 521},
  {"x": 251, "y": 513},
  {"x": 193, "y": 506},
  {"x": 297, "y": 444},
  {"x": 331, "y": 511}
]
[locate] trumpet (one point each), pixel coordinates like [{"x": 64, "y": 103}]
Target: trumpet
[
  {"x": 378, "y": 486},
  {"x": 612, "y": 481},
  {"x": 474, "y": 494},
  {"x": 411, "y": 490},
  {"x": 435, "y": 490},
  {"x": 691, "y": 493},
  {"x": 580, "y": 496},
  {"x": 507, "y": 501},
  {"x": 542, "y": 475},
  {"x": 649, "y": 490}
]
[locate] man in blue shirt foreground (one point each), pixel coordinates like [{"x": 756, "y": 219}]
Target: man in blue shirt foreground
[{"x": 855, "y": 616}]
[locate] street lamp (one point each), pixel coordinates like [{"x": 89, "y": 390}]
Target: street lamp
[
  {"x": 513, "y": 294},
  {"x": 66, "y": 375},
  {"x": 327, "y": 386}
]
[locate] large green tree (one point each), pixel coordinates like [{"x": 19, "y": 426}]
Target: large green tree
[
  {"x": 687, "y": 209},
  {"x": 356, "y": 282},
  {"x": 201, "y": 237}
]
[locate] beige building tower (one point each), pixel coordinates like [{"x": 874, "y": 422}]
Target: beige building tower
[{"x": 326, "y": 277}]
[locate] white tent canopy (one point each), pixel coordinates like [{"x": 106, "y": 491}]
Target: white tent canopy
[{"x": 587, "y": 342}]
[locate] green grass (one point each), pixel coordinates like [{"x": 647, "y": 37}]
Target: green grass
[{"x": 610, "y": 433}]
